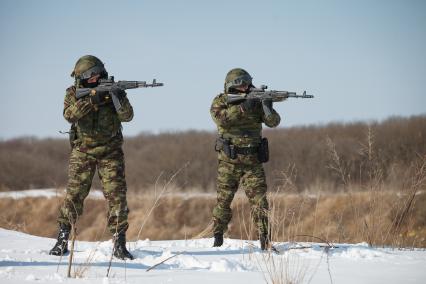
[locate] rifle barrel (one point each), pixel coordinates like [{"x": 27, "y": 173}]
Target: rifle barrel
[{"x": 300, "y": 96}]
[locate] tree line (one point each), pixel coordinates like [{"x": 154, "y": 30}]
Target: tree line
[{"x": 315, "y": 157}]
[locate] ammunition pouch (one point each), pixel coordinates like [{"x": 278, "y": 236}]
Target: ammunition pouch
[{"x": 263, "y": 154}]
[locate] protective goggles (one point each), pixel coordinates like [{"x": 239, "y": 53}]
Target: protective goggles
[
  {"x": 95, "y": 70},
  {"x": 239, "y": 81}
]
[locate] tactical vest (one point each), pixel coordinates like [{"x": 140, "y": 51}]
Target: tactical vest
[
  {"x": 245, "y": 134},
  {"x": 98, "y": 127},
  {"x": 246, "y": 131}
]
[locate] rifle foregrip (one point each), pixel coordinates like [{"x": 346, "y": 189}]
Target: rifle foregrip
[
  {"x": 233, "y": 101},
  {"x": 82, "y": 92}
]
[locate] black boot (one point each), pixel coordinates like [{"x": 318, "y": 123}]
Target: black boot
[
  {"x": 265, "y": 242},
  {"x": 120, "y": 250},
  {"x": 61, "y": 246},
  {"x": 218, "y": 240}
]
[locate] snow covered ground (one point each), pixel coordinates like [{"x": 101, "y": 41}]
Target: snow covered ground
[
  {"x": 24, "y": 259},
  {"x": 46, "y": 193},
  {"x": 94, "y": 194}
]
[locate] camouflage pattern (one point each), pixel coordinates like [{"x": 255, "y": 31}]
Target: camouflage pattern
[
  {"x": 252, "y": 179},
  {"x": 98, "y": 144},
  {"x": 237, "y": 77},
  {"x": 243, "y": 129},
  {"x": 95, "y": 126},
  {"x": 82, "y": 167}
]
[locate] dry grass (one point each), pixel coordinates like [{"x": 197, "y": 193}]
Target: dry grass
[
  {"x": 341, "y": 183},
  {"x": 330, "y": 216},
  {"x": 288, "y": 268}
]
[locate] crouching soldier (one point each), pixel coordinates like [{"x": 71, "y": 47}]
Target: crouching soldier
[
  {"x": 96, "y": 141},
  {"x": 241, "y": 152}
]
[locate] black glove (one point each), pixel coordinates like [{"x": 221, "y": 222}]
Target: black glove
[
  {"x": 119, "y": 93},
  {"x": 267, "y": 107},
  {"x": 100, "y": 97},
  {"x": 248, "y": 105}
]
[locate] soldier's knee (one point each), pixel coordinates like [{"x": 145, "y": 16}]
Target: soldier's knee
[
  {"x": 222, "y": 213},
  {"x": 226, "y": 191},
  {"x": 114, "y": 189}
]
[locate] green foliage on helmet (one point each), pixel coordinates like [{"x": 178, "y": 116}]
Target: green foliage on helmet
[
  {"x": 87, "y": 66},
  {"x": 237, "y": 77}
]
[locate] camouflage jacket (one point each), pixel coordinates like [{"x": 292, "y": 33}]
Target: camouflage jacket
[
  {"x": 95, "y": 127},
  {"x": 243, "y": 129}
]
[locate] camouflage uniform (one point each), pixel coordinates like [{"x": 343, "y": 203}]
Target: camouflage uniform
[
  {"x": 243, "y": 129},
  {"x": 98, "y": 144}
]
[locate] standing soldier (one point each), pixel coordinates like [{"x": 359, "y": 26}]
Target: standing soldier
[
  {"x": 241, "y": 152},
  {"x": 96, "y": 142}
]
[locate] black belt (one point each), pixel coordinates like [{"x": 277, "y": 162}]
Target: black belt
[
  {"x": 241, "y": 134},
  {"x": 232, "y": 150},
  {"x": 246, "y": 150}
]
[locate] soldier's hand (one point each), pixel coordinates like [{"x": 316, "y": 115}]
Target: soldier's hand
[
  {"x": 84, "y": 105},
  {"x": 267, "y": 107},
  {"x": 248, "y": 105},
  {"x": 119, "y": 93}
]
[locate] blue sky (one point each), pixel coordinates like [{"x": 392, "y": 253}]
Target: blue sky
[{"x": 363, "y": 60}]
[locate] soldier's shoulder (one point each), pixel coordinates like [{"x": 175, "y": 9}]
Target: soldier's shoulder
[{"x": 219, "y": 98}]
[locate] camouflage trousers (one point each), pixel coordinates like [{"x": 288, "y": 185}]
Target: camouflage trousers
[
  {"x": 252, "y": 179},
  {"x": 82, "y": 167}
]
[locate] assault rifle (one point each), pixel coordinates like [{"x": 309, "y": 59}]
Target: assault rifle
[
  {"x": 261, "y": 94},
  {"x": 108, "y": 85}
]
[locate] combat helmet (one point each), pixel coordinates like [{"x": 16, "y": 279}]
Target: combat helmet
[
  {"x": 237, "y": 77},
  {"x": 87, "y": 66}
]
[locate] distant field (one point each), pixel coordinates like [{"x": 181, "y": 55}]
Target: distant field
[{"x": 319, "y": 157}]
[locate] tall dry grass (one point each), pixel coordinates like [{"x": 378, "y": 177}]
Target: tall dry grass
[{"x": 329, "y": 216}]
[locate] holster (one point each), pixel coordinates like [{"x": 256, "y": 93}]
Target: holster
[
  {"x": 263, "y": 154},
  {"x": 72, "y": 134},
  {"x": 231, "y": 150},
  {"x": 225, "y": 145}
]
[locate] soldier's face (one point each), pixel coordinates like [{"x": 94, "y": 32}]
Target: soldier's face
[
  {"x": 93, "y": 79},
  {"x": 92, "y": 82},
  {"x": 242, "y": 88}
]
